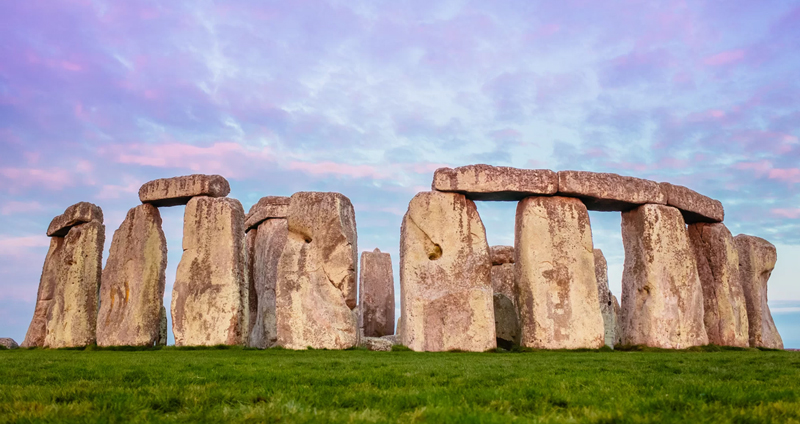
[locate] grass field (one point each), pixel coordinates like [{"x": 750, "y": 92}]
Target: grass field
[{"x": 236, "y": 385}]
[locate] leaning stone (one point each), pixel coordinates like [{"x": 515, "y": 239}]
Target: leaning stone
[
  {"x": 506, "y": 318},
  {"x": 723, "y": 298},
  {"x": 9, "y": 343},
  {"x": 162, "y": 328},
  {"x": 694, "y": 206},
  {"x": 378, "y": 344},
  {"x": 605, "y": 296},
  {"x": 609, "y": 192},
  {"x": 486, "y": 182},
  {"x": 662, "y": 298},
  {"x": 266, "y": 208},
  {"x": 76, "y": 214},
  {"x": 132, "y": 289},
  {"x": 316, "y": 286},
  {"x": 556, "y": 281},
  {"x": 179, "y": 190},
  {"x": 445, "y": 276},
  {"x": 376, "y": 294},
  {"x": 209, "y": 298},
  {"x": 265, "y": 245},
  {"x": 757, "y": 258}
]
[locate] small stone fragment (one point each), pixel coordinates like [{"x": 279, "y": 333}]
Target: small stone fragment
[
  {"x": 694, "y": 206},
  {"x": 606, "y": 297},
  {"x": 378, "y": 344},
  {"x": 486, "y": 182},
  {"x": 76, "y": 214},
  {"x": 757, "y": 259},
  {"x": 266, "y": 208},
  {"x": 9, "y": 343},
  {"x": 179, "y": 190},
  {"x": 609, "y": 192},
  {"x": 265, "y": 245},
  {"x": 376, "y": 294}
]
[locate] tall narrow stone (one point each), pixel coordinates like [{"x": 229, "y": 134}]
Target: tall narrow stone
[
  {"x": 209, "y": 298},
  {"x": 618, "y": 322},
  {"x": 757, "y": 259},
  {"x": 606, "y": 297},
  {"x": 445, "y": 276},
  {"x": 132, "y": 289},
  {"x": 316, "y": 286},
  {"x": 662, "y": 298},
  {"x": 162, "y": 328},
  {"x": 377, "y": 294},
  {"x": 48, "y": 286},
  {"x": 723, "y": 298},
  {"x": 558, "y": 303},
  {"x": 506, "y": 317},
  {"x": 265, "y": 245}
]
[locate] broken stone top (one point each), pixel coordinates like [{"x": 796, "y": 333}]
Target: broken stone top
[
  {"x": 694, "y": 206},
  {"x": 179, "y": 190},
  {"x": 266, "y": 208},
  {"x": 502, "y": 255},
  {"x": 76, "y": 214},
  {"x": 486, "y": 182}
]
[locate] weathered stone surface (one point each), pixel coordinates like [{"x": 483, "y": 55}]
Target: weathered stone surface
[
  {"x": 162, "y": 328},
  {"x": 209, "y": 298},
  {"x": 662, "y": 298},
  {"x": 9, "y": 343},
  {"x": 48, "y": 286},
  {"x": 618, "y": 322},
  {"x": 502, "y": 255},
  {"x": 609, "y": 192},
  {"x": 506, "y": 322},
  {"x": 265, "y": 245},
  {"x": 378, "y": 344},
  {"x": 132, "y": 289},
  {"x": 757, "y": 258},
  {"x": 556, "y": 281},
  {"x": 445, "y": 276},
  {"x": 179, "y": 190},
  {"x": 506, "y": 318},
  {"x": 486, "y": 182},
  {"x": 392, "y": 339},
  {"x": 376, "y": 297},
  {"x": 76, "y": 214},
  {"x": 606, "y": 297},
  {"x": 316, "y": 286},
  {"x": 266, "y": 208},
  {"x": 694, "y": 206},
  {"x": 723, "y": 298}
]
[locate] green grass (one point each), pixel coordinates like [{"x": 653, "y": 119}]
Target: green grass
[{"x": 238, "y": 385}]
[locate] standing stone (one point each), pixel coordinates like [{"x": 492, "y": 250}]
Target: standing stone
[
  {"x": 179, "y": 190},
  {"x": 162, "y": 328},
  {"x": 132, "y": 289},
  {"x": 316, "y": 285},
  {"x": 506, "y": 317},
  {"x": 558, "y": 303},
  {"x": 209, "y": 298},
  {"x": 268, "y": 207},
  {"x": 617, "y": 322},
  {"x": 662, "y": 298},
  {"x": 606, "y": 297},
  {"x": 265, "y": 245},
  {"x": 8, "y": 343},
  {"x": 445, "y": 276},
  {"x": 757, "y": 258},
  {"x": 48, "y": 286},
  {"x": 376, "y": 294},
  {"x": 723, "y": 298}
]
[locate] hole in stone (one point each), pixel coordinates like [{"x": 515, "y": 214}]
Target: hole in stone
[
  {"x": 307, "y": 239},
  {"x": 435, "y": 253}
]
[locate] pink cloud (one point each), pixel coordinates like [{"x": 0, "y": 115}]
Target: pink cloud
[
  {"x": 14, "y": 207},
  {"x": 787, "y": 213},
  {"x": 789, "y": 175},
  {"x": 725, "y": 58},
  {"x": 760, "y": 167},
  {"x": 10, "y": 246},
  {"x": 52, "y": 179},
  {"x": 327, "y": 167}
]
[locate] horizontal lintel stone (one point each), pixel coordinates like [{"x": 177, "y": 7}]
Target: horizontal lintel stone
[
  {"x": 179, "y": 190},
  {"x": 694, "y": 206},
  {"x": 266, "y": 208},
  {"x": 495, "y": 183},
  {"x": 609, "y": 192},
  {"x": 79, "y": 213}
]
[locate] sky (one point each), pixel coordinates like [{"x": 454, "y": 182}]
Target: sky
[{"x": 368, "y": 98}]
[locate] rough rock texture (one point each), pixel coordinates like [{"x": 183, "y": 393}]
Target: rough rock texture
[
  {"x": 506, "y": 318},
  {"x": 162, "y": 328},
  {"x": 179, "y": 190},
  {"x": 264, "y": 245},
  {"x": 266, "y": 208},
  {"x": 376, "y": 296},
  {"x": 486, "y": 182},
  {"x": 132, "y": 289},
  {"x": 502, "y": 255},
  {"x": 723, "y": 298},
  {"x": 556, "y": 281},
  {"x": 316, "y": 286},
  {"x": 618, "y": 321},
  {"x": 9, "y": 343},
  {"x": 209, "y": 298},
  {"x": 378, "y": 344},
  {"x": 76, "y": 214},
  {"x": 392, "y": 339},
  {"x": 605, "y": 297},
  {"x": 445, "y": 276},
  {"x": 662, "y": 298},
  {"x": 609, "y": 192},
  {"x": 757, "y": 258},
  {"x": 48, "y": 286},
  {"x": 694, "y": 206}
]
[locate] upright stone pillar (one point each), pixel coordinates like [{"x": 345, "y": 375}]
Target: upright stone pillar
[
  {"x": 506, "y": 317},
  {"x": 558, "y": 303},
  {"x": 376, "y": 294},
  {"x": 316, "y": 285},
  {"x": 132, "y": 289},
  {"x": 209, "y": 298},
  {"x": 445, "y": 276},
  {"x": 757, "y": 258},
  {"x": 607, "y": 299},
  {"x": 264, "y": 244},
  {"x": 662, "y": 298},
  {"x": 723, "y": 298}
]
